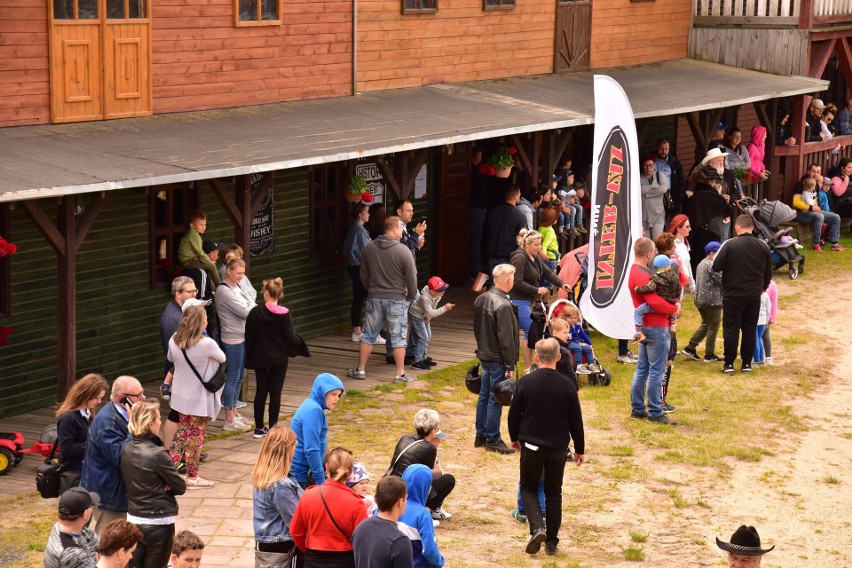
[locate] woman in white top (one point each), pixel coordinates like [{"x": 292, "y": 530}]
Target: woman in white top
[
  {"x": 236, "y": 251},
  {"x": 681, "y": 228},
  {"x": 196, "y": 405},
  {"x": 233, "y": 306}
]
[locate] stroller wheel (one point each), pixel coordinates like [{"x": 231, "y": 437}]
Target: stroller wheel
[
  {"x": 794, "y": 272},
  {"x": 802, "y": 266},
  {"x": 593, "y": 379},
  {"x": 606, "y": 378}
]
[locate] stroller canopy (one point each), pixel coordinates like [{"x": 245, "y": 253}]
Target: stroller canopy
[{"x": 774, "y": 213}]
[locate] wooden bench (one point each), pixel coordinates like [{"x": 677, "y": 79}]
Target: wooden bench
[{"x": 804, "y": 231}]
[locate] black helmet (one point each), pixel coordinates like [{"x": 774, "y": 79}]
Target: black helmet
[
  {"x": 504, "y": 391},
  {"x": 472, "y": 380}
]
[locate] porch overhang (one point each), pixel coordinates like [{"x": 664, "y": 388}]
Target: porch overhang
[{"x": 55, "y": 160}]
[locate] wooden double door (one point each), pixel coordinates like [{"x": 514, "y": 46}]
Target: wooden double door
[{"x": 100, "y": 59}]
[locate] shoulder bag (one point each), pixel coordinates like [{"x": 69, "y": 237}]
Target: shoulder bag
[
  {"x": 47, "y": 476},
  {"x": 327, "y": 510},
  {"x": 216, "y": 382},
  {"x": 393, "y": 464}
]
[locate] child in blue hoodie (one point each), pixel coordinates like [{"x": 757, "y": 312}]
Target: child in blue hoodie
[
  {"x": 416, "y": 521},
  {"x": 311, "y": 428}
]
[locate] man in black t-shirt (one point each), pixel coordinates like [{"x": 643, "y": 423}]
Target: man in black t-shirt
[
  {"x": 422, "y": 448},
  {"x": 377, "y": 542}
]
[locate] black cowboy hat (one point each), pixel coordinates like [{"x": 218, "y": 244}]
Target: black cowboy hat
[{"x": 745, "y": 541}]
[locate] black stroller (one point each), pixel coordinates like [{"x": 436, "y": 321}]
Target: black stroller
[{"x": 767, "y": 217}]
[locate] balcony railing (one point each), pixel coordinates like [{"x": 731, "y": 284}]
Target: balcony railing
[{"x": 772, "y": 12}]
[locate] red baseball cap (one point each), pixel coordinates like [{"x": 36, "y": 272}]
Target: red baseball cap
[{"x": 438, "y": 285}]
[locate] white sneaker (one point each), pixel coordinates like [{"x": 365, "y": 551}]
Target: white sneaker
[
  {"x": 582, "y": 369},
  {"x": 241, "y": 404},
  {"x": 236, "y": 426},
  {"x": 380, "y": 340},
  {"x": 440, "y": 514},
  {"x": 594, "y": 368},
  {"x": 768, "y": 361},
  {"x": 356, "y": 338}
]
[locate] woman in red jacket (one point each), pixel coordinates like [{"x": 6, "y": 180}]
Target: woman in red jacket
[{"x": 327, "y": 515}]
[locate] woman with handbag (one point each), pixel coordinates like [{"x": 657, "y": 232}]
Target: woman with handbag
[
  {"x": 152, "y": 481},
  {"x": 233, "y": 306},
  {"x": 276, "y": 494},
  {"x": 197, "y": 361},
  {"x": 270, "y": 341},
  {"x": 327, "y": 515},
  {"x": 72, "y": 427}
]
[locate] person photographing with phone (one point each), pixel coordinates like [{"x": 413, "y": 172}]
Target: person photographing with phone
[
  {"x": 414, "y": 239},
  {"x": 101, "y": 464}
]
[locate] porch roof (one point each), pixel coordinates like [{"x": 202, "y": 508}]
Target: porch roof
[{"x": 52, "y": 160}]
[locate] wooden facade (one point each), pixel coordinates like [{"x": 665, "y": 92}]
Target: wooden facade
[{"x": 778, "y": 51}]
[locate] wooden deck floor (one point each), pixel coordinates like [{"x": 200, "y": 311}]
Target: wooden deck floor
[{"x": 452, "y": 342}]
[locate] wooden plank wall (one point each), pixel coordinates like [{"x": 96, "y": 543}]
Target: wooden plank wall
[
  {"x": 632, "y": 33},
  {"x": 778, "y": 51},
  {"x": 461, "y": 42},
  {"x": 24, "y": 67},
  {"x": 201, "y": 60}
]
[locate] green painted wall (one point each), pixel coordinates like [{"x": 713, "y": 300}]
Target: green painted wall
[{"x": 117, "y": 312}]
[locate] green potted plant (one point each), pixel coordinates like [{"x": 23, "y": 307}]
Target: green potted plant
[
  {"x": 358, "y": 190},
  {"x": 503, "y": 160}
]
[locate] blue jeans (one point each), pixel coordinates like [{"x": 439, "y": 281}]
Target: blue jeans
[
  {"x": 726, "y": 232},
  {"x": 578, "y": 213},
  {"x": 379, "y": 311},
  {"x": 639, "y": 314},
  {"x": 578, "y": 350},
  {"x": 488, "y": 410},
  {"x": 541, "y": 499},
  {"x": 653, "y": 353},
  {"x": 419, "y": 337},
  {"x": 477, "y": 223},
  {"x": 759, "y": 354},
  {"x": 235, "y": 357},
  {"x": 817, "y": 218}
]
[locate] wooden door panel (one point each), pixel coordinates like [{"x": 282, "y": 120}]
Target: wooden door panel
[
  {"x": 573, "y": 36},
  {"x": 126, "y": 70},
  {"x": 75, "y": 72},
  {"x": 454, "y": 215}
]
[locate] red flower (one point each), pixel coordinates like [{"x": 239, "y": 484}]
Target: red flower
[
  {"x": 7, "y": 248},
  {"x": 5, "y": 330},
  {"x": 483, "y": 168},
  {"x": 491, "y": 170},
  {"x": 11, "y": 248},
  {"x": 366, "y": 197},
  {"x": 513, "y": 150}
]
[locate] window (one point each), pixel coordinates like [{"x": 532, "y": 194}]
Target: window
[
  {"x": 5, "y": 266},
  {"x": 257, "y": 12},
  {"x": 419, "y": 6},
  {"x": 168, "y": 210},
  {"x": 328, "y": 210},
  {"x": 498, "y": 4}
]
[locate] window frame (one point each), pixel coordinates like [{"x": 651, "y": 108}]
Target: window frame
[
  {"x": 258, "y": 22},
  {"x": 421, "y": 10},
  {"x": 331, "y": 233},
  {"x": 503, "y": 5},
  {"x": 5, "y": 266},
  {"x": 173, "y": 232}
]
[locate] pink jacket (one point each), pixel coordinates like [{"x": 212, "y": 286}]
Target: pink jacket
[
  {"x": 839, "y": 185},
  {"x": 772, "y": 292},
  {"x": 757, "y": 149}
]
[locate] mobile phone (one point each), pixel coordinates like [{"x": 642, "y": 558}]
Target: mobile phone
[
  {"x": 421, "y": 220},
  {"x": 125, "y": 401}
]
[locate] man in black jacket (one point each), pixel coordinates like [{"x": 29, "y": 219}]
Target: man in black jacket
[
  {"x": 543, "y": 417},
  {"x": 746, "y": 266},
  {"x": 670, "y": 166},
  {"x": 502, "y": 225},
  {"x": 495, "y": 326}
]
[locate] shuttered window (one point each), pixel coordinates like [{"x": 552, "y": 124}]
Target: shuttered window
[
  {"x": 498, "y": 4},
  {"x": 168, "y": 220},
  {"x": 328, "y": 210}
]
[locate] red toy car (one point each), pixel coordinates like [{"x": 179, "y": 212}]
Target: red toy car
[{"x": 12, "y": 450}]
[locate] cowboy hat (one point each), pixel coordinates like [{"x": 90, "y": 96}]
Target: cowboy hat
[
  {"x": 745, "y": 541},
  {"x": 714, "y": 153}
]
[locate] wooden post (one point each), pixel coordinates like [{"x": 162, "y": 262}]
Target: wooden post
[
  {"x": 793, "y": 164},
  {"x": 806, "y": 14},
  {"x": 242, "y": 198}
]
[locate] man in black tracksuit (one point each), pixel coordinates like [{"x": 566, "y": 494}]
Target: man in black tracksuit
[
  {"x": 746, "y": 266},
  {"x": 543, "y": 417}
]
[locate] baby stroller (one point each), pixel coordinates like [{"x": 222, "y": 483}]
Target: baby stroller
[
  {"x": 602, "y": 377},
  {"x": 767, "y": 216}
]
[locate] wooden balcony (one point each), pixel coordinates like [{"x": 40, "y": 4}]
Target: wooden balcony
[{"x": 802, "y": 14}]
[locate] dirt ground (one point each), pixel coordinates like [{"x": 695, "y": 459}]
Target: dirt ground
[{"x": 798, "y": 497}]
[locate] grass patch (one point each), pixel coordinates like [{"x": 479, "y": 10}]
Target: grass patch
[
  {"x": 22, "y": 541},
  {"x": 620, "y": 451},
  {"x": 638, "y": 536},
  {"x": 831, "y": 480},
  {"x": 752, "y": 454},
  {"x": 634, "y": 553},
  {"x": 678, "y": 500}
]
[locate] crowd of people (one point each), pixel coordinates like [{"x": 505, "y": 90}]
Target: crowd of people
[{"x": 123, "y": 467}]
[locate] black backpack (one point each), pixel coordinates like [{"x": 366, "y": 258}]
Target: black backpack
[{"x": 47, "y": 476}]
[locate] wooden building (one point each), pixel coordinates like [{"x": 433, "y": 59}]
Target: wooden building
[{"x": 97, "y": 207}]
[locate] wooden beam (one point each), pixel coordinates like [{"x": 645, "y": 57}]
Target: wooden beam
[
  {"x": 844, "y": 57},
  {"x": 806, "y": 14},
  {"x": 543, "y": 177},
  {"x": 389, "y": 176},
  {"x": 242, "y": 199},
  {"x": 522, "y": 156},
  {"x": 66, "y": 264},
  {"x": 698, "y": 135},
  {"x": 419, "y": 159},
  {"x": 793, "y": 164},
  {"x": 45, "y": 226},
  {"x": 820, "y": 56},
  {"x": 764, "y": 118},
  {"x": 227, "y": 202},
  {"x": 87, "y": 218}
]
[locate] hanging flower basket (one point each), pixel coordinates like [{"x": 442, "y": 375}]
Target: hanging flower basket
[
  {"x": 7, "y": 248},
  {"x": 356, "y": 187},
  {"x": 502, "y": 161}
]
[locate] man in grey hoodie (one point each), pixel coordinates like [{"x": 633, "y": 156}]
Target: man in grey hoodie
[{"x": 390, "y": 276}]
